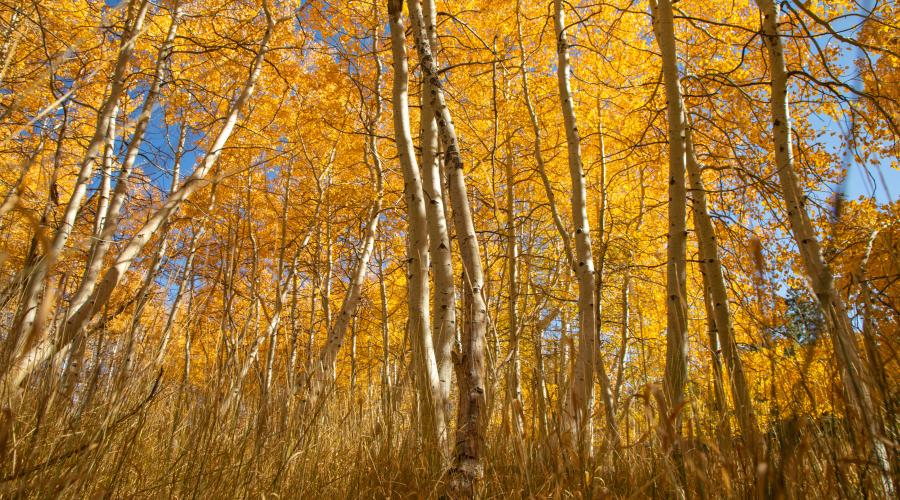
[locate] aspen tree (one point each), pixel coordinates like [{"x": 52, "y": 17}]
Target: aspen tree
[
  {"x": 718, "y": 299},
  {"x": 538, "y": 146},
  {"x": 676, "y": 246},
  {"x": 444, "y": 291},
  {"x": 470, "y": 424},
  {"x": 328, "y": 356},
  {"x": 419, "y": 316},
  {"x": 853, "y": 374},
  {"x": 46, "y": 347},
  {"x": 582, "y": 389},
  {"x": 29, "y": 306}
]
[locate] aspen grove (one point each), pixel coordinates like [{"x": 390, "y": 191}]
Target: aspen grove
[{"x": 433, "y": 249}]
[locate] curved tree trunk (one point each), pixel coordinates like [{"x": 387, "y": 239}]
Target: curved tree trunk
[
  {"x": 74, "y": 325},
  {"x": 25, "y": 316},
  {"x": 538, "y": 146},
  {"x": 444, "y": 292},
  {"x": 471, "y": 420},
  {"x": 328, "y": 356}
]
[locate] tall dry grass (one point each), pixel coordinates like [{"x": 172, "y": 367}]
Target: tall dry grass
[{"x": 149, "y": 435}]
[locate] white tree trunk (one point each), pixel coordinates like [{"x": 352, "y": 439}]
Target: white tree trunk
[
  {"x": 676, "y": 250},
  {"x": 582, "y": 388},
  {"x": 417, "y": 284},
  {"x": 718, "y": 297},
  {"x": 25, "y": 317},
  {"x": 444, "y": 292},
  {"x": 853, "y": 373},
  {"x": 471, "y": 418},
  {"x": 46, "y": 347}
]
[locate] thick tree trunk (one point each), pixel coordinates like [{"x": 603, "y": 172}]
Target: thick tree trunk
[
  {"x": 444, "y": 291},
  {"x": 471, "y": 420}
]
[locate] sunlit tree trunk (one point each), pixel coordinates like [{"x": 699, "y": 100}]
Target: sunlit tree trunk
[
  {"x": 74, "y": 325},
  {"x": 538, "y": 146},
  {"x": 22, "y": 327},
  {"x": 110, "y": 205},
  {"x": 419, "y": 317},
  {"x": 718, "y": 297},
  {"x": 471, "y": 421},
  {"x": 582, "y": 390},
  {"x": 328, "y": 356},
  {"x": 853, "y": 373},
  {"x": 11, "y": 37},
  {"x": 676, "y": 249},
  {"x": 444, "y": 291},
  {"x": 109, "y": 154}
]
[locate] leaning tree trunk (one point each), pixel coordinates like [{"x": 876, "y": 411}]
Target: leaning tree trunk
[
  {"x": 471, "y": 420},
  {"x": 582, "y": 388},
  {"x": 73, "y": 327},
  {"x": 25, "y": 317},
  {"x": 718, "y": 297},
  {"x": 328, "y": 356},
  {"x": 853, "y": 373},
  {"x": 538, "y": 146}
]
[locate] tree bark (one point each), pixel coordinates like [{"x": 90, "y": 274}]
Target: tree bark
[
  {"x": 718, "y": 297},
  {"x": 444, "y": 291},
  {"x": 328, "y": 356},
  {"x": 471, "y": 420},
  {"x": 676, "y": 250},
  {"x": 25, "y": 317},
  {"x": 74, "y": 325}
]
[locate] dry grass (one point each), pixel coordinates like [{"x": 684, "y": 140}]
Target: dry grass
[{"x": 154, "y": 438}]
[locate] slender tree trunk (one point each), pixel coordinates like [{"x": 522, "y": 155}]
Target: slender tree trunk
[
  {"x": 109, "y": 207},
  {"x": 512, "y": 261},
  {"x": 328, "y": 356},
  {"x": 676, "y": 250},
  {"x": 853, "y": 373},
  {"x": 417, "y": 283},
  {"x": 444, "y": 291},
  {"x": 29, "y": 306},
  {"x": 538, "y": 146},
  {"x": 74, "y": 325},
  {"x": 109, "y": 155},
  {"x": 718, "y": 297},
  {"x": 11, "y": 38},
  {"x": 582, "y": 390}
]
